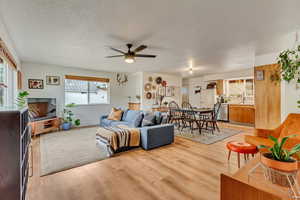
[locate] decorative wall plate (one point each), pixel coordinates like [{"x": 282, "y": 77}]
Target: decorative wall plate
[
  {"x": 148, "y": 87},
  {"x": 164, "y": 83},
  {"x": 153, "y": 87},
  {"x": 158, "y": 80},
  {"x": 150, "y": 79},
  {"x": 148, "y": 95}
]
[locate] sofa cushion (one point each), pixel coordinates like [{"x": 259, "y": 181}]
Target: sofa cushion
[
  {"x": 124, "y": 115},
  {"x": 115, "y": 114},
  {"x": 116, "y": 123},
  {"x": 106, "y": 122},
  {"x": 134, "y": 117},
  {"x": 158, "y": 117},
  {"x": 149, "y": 119},
  {"x": 131, "y": 115}
]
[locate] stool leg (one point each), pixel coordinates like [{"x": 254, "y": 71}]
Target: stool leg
[
  {"x": 245, "y": 157},
  {"x": 253, "y": 155},
  {"x": 238, "y": 157},
  {"x": 229, "y": 153}
]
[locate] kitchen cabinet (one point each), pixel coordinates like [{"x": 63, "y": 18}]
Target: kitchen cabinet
[
  {"x": 241, "y": 113},
  {"x": 220, "y": 87}
]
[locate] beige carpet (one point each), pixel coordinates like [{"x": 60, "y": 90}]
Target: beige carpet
[
  {"x": 68, "y": 149},
  {"x": 206, "y": 136}
]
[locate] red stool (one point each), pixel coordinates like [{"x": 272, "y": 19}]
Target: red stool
[{"x": 241, "y": 147}]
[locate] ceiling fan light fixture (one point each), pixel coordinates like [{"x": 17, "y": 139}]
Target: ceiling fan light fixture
[{"x": 129, "y": 59}]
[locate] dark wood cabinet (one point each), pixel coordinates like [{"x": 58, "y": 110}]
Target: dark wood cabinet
[{"x": 14, "y": 153}]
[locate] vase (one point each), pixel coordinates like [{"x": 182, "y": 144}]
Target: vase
[
  {"x": 278, "y": 172},
  {"x": 66, "y": 126}
]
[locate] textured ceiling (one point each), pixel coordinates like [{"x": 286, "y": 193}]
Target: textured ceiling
[{"x": 215, "y": 35}]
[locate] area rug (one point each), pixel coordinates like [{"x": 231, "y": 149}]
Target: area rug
[
  {"x": 207, "y": 137},
  {"x": 68, "y": 149}
]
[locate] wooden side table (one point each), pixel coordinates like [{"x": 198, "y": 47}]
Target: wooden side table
[{"x": 45, "y": 126}]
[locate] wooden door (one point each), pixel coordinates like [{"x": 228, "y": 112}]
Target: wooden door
[{"x": 267, "y": 98}]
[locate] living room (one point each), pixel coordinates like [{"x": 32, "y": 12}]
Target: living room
[{"x": 127, "y": 101}]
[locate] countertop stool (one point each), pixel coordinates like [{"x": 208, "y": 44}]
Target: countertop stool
[{"x": 241, "y": 148}]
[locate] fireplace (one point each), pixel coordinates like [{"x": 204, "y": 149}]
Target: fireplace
[{"x": 41, "y": 108}]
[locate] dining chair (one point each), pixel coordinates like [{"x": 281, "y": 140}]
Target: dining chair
[
  {"x": 174, "y": 113},
  {"x": 211, "y": 121},
  {"x": 190, "y": 117}
]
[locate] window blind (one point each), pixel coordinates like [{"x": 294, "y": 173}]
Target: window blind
[
  {"x": 6, "y": 55},
  {"x": 87, "y": 78}
]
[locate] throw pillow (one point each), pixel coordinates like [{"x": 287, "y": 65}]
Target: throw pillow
[
  {"x": 115, "y": 114},
  {"x": 148, "y": 120}
]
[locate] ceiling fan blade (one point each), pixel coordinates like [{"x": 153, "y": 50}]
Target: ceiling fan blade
[
  {"x": 144, "y": 55},
  {"x": 140, "y": 48},
  {"x": 120, "y": 51},
  {"x": 114, "y": 56}
]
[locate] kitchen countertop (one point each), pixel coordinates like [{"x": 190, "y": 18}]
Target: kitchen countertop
[{"x": 234, "y": 104}]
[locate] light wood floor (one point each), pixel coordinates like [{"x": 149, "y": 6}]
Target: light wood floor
[{"x": 183, "y": 170}]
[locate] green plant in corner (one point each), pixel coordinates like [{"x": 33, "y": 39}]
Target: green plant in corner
[
  {"x": 278, "y": 152},
  {"x": 21, "y": 99},
  {"x": 69, "y": 115},
  {"x": 289, "y": 60}
]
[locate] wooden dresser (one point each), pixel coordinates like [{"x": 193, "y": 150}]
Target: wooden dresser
[
  {"x": 45, "y": 126},
  {"x": 14, "y": 153}
]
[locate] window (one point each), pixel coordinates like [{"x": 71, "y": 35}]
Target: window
[
  {"x": 3, "y": 83},
  {"x": 86, "y": 90},
  {"x": 8, "y": 88},
  {"x": 240, "y": 91}
]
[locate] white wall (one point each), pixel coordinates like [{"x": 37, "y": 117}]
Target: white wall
[
  {"x": 89, "y": 114},
  {"x": 4, "y": 35},
  {"x": 172, "y": 80},
  {"x": 134, "y": 86},
  {"x": 208, "y": 97}
]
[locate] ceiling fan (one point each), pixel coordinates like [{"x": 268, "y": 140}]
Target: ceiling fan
[{"x": 130, "y": 56}]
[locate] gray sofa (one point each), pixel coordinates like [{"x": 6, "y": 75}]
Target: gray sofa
[{"x": 153, "y": 136}]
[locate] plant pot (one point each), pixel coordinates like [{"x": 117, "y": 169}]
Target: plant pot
[
  {"x": 66, "y": 126},
  {"x": 279, "y": 172}
]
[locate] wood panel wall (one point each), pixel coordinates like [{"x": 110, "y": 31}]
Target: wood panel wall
[{"x": 267, "y": 98}]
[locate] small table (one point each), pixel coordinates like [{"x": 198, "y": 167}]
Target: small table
[{"x": 241, "y": 147}]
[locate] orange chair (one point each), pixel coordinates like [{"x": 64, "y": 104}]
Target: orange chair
[{"x": 290, "y": 126}]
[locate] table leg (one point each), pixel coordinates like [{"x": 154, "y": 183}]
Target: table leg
[
  {"x": 245, "y": 157},
  {"x": 229, "y": 153},
  {"x": 238, "y": 157}
]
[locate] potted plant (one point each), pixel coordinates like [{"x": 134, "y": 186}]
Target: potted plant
[
  {"x": 68, "y": 117},
  {"x": 279, "y": 161},
  {"x": 289, "y": 61},
  {"x": 21, "y": 99}
]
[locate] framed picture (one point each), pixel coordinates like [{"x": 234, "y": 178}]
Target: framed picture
[
  {"x": 260, "y": 75},
  {"x": 161, "y": 91},
  {"x": 53, "y": 80},
  {"x": 35, "y": 83},
  {"x": 170, "y": 91}
]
